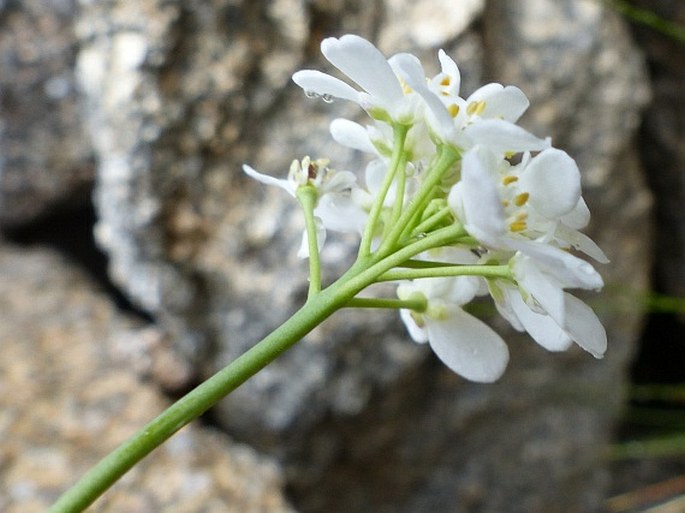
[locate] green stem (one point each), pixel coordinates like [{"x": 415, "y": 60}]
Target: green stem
[
  {"x": 307, "y": 196},
  {"x": 416, "y": 302},
  {"x": 400, "y": 135},
  {"x": 486, "y": 271},
  {"x": 432, "y": 221},
  {"x": 446, "y": 159},
  {"x": 118, "y": 462}
]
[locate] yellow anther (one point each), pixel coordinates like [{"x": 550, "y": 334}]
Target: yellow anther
[
  {"x": 520, "y": 199},
  {"x": 453, "y": 109},
  {"x": 445, "y": 81},
  {"x": 475, "y": 108},
  {"x": 509, "y": 179},
  {"x": 518, "y": 226},
  {"x": 406, "y": 89}
]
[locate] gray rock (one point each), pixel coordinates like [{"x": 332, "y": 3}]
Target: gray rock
[
  {"x": 661, "y": 144},
  {"x": 45, "y": 158},
  {"x": 363, "y": 418},
  {"x": 69, "y": 394}
]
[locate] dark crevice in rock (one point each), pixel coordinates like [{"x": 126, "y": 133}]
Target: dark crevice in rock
[
  {"x": 69, "y": 230},
  {"x": 661, "y": 355}
]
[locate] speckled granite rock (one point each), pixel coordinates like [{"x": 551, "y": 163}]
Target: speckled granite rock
[
  {"x": 45, "y": 157},
  {"x": 363, "y": 418},
  {"x": 68, "y": 394}
]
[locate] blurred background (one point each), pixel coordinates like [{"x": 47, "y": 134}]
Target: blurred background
[{"x": 136, "y": 260}]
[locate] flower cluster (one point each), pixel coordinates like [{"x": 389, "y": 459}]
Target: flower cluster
[{"x": 458, "y": 201}]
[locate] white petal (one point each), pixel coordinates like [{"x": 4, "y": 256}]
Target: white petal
[
  {"x": 313, "y": 81},
  {"x": 541, "y": 328},
  {"x": 269, "y": 180},
  {"x": 464, "y": 289},
  {"x": 374, "y": 177},
  {"x": 468, "y": 346},
  {"x": 581, "y": 242},
  {"x": 570, "y": 270},
  {"x": 341, "y": 213},
  {"x": 483, "y": 212},
  {"x": 546, "y": 292},
  {"x": 507, "y": 103},
  {"x": 584, "y": 327},
  {"x": 553, "y": 180},
  {"x": 366, "y": 65},
  {"x": 412, "y": 72},
  {"x": 450, "y": 68},
  {"x": 339, "y": 181},
  {"x": 501, "y": 136},
  {"x": 417, "y": 333},
  {"x": 351, "y": 134},
  {"x": 579, "y": 217}
]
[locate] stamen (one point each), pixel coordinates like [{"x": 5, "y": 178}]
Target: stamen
[
  {"x": 475, "y": 108},
  {"x": 453, "y": 110},
  {"x": 509, "y": 179},
  {"x": 518, "y": 226},
  {"x": 445, "y": 81},
  {"x": 520, "y": 199}
]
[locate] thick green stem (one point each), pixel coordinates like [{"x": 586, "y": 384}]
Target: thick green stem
[{"x": 199, "y": 400}]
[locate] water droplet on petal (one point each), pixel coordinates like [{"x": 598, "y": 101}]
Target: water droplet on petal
[
  {"x": 311, "y": 94},
  {"x": 327, "y": 98}
]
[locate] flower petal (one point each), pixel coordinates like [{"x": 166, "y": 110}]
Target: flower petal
[
  {"x": 364, "y": 64},
  {"x": 483, "y": 212},
  {"x": 579, "y": 217},
  {"x": 553, "y": 180},
  {"x": 468, "y": 346},
  {"x": 548, "y": 294},
  {"x": 412, "y": 72},
  {"x": 321, "y": 84},
  {"x": 507, "y": 103},
  {"x": 341, "y": 213},
  {"x": 570, "y": 270},
  {"x": 418, "y": 334},
  {"x": 581, "y": 242},
  {"x": 503, "y": 137},
  {"x": 352, "y": 135},
  {"x": 584, "y": 326},
  {"x": 269, "y": 180},
  {"x": 540, "y": 327},
  {"x": 450, "y": 68}
]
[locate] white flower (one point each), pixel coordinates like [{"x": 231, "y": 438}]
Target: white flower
[
  {"x": 580, "y": 324},
  {"x": 526, "y": 208},
  {"x": 382, "y": 95},
  {"x": 525, "y": 214},
  {"x": 486, "y": 117},
  {"x": 340, "y": 200},
  {"x": 465, "y": 344}
]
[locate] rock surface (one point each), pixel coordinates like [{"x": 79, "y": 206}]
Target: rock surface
[
  {"x": 177, "y": 95},
  {"x": 45, "y": 158},
  {"x": 69, "y": 394},
  {"x": 661, "y": 144}
]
